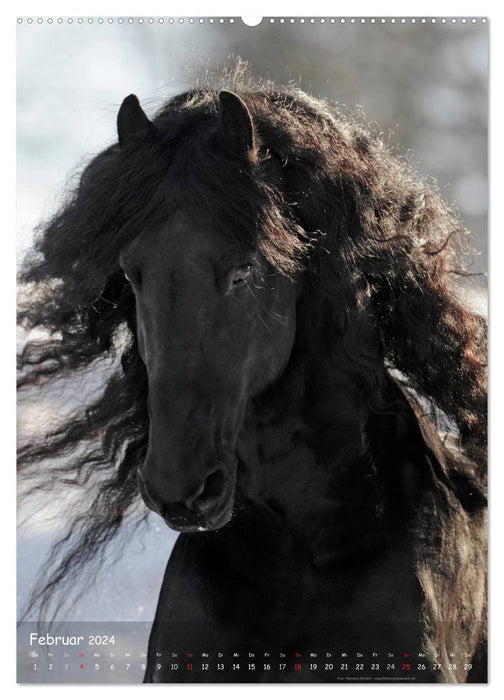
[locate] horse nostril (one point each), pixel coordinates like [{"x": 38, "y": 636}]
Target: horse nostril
[{"x": 209, "y": 493}]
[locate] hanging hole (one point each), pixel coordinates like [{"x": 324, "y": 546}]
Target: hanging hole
[{"x": 251, "y": 21}]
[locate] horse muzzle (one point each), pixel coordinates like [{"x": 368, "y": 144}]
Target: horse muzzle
[{"x": 208, "y": 506}]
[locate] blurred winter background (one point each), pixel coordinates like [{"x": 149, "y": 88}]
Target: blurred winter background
[{"x": 423, "y": 85}]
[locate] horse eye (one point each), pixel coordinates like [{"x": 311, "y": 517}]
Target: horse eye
[{"x": 242, "y": 274}]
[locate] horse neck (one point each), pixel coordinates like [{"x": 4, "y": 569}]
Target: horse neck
[{"x": 306, "y": 457}]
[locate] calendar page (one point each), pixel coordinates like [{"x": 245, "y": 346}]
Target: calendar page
[{"x": 252, "y": 349}]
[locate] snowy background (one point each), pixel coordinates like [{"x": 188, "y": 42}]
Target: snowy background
[{"x": 424, "y": 86}]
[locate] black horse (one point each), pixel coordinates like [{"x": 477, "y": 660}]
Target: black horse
[{"x": 300, "y": 393}]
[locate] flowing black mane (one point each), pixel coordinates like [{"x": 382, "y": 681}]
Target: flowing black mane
[{"x": 329, "y": 203}]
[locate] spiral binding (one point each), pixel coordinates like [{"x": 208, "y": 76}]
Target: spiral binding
[{"x": 265, "y": 20}]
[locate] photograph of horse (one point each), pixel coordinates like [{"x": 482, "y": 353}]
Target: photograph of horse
[{"x": 299, "y": 387}]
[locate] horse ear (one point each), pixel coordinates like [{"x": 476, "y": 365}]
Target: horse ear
[
  {"x": 131, "y": 120},
  {"x": 235, "y": 128}
]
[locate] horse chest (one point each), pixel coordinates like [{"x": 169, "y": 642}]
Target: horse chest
[
  {"x": 208, "y": 603},
  {"x": 276, "y": 595}
]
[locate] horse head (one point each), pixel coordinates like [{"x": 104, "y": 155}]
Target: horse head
[{"x": 215, "y": 325}]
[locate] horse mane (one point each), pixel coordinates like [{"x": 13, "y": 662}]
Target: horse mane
[{"x": 372, "y": 238}]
